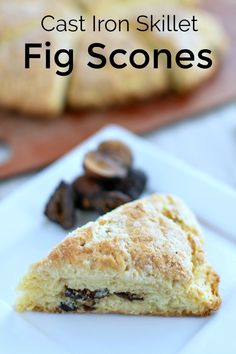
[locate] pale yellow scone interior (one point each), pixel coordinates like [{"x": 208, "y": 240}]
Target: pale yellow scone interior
[{"x": 145, "y": 257}]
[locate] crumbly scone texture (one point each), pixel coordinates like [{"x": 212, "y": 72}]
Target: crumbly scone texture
[{"x": 145, "y": 257}]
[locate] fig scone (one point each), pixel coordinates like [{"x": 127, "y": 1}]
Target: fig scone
[{"x": 145, "y": 257}]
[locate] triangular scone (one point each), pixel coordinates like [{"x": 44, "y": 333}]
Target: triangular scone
[{"x": 145, "y": 257}]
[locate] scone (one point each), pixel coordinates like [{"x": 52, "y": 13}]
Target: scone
[
  {"x": 209, "y": 35},
  {"x": 145, "y": 257},
  {"x": 110, "y": 86},
  {"x": 94, "y": 5},
  {"x": 37, "y": 90}
]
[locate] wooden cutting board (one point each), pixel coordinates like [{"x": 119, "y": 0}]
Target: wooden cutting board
[{"x": 35, "y": 143}]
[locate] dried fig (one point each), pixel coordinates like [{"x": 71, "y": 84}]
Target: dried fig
[
  {"x": 68, "y": 307},
  {"x": 133, "y": 184},
  {"x": 117, "y": 150},
  {"x": 129, "y": 296},
  {"x": 100, "y": 166},
  {"x": 86, "y": 294},
  {"x": 84, "y": 187},
  {"x": 60, "y": 207},
  {"x": 107, "y": 201}
]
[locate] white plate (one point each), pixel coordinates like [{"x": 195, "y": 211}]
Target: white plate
[{"x": 26, "y": 236}]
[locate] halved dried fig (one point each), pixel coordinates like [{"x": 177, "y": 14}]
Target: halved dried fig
[
  {"x": 107, "y": 201},
  {"x": 100, "y": 166},
  {"x": 118, "y": 150},
  {"x": 60, "y": 207}
]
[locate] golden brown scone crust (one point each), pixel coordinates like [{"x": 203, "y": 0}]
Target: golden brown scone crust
[{"x": 132, "y": 242}]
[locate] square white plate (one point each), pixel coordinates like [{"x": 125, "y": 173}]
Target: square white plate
[{"x": 26, "y": 236}]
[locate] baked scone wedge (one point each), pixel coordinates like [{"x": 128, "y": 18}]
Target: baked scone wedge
[{"x": 145, "y": 257}]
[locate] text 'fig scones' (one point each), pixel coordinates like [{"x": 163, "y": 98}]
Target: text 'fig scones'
[
  {"x": 145, "y": 257},
  {"x": 27, "y": 86}
]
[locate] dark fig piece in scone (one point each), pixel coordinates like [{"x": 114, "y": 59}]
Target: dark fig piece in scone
[
  {"x": 68, "y": 307},
  {"x": 60, "y": 207},
  {"x": 86, "y": 294},
  {"x": 100, "y": 166},
  {"x": 118, "y": 150},
  {"x": 129, "y": 296}
]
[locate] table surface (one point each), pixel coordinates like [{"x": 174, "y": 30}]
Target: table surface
[{"x": 207, "y": 142}]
